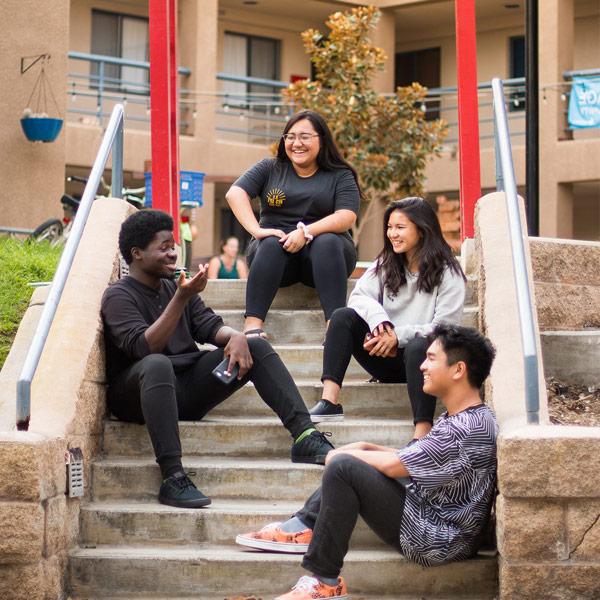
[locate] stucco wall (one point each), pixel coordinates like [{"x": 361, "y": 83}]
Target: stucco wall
[{"x": 32, "y": 174}]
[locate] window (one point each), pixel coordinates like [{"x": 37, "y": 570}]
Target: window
[
  {"x": 250, "y": 56},
  {"x": 125, "y": 37},
  {"x": 422, "y": 66},
  {"x": 517, "y": 69}
]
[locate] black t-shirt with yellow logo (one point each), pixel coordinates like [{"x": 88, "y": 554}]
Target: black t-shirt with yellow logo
[{"x": 286, "y": 198}]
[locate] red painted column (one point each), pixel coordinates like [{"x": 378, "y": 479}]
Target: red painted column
[
  {"x": 468, "y": 114},
  {"x": 164, "y": 104}
]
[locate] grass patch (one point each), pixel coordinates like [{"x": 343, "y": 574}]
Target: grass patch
[{"x": 22, "y": 263}]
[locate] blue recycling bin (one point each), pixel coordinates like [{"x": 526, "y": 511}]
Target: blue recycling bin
[{"x": 190, "y": 189}]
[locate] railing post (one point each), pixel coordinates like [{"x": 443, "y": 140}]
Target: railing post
[
  {"x": 116, "y": 188},
  {"x": 498, "y": 160},
  {"x": 524, "y": 299},
  {"x": 100, "y": 107}
]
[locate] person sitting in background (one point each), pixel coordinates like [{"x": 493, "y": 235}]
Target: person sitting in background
[
  {"x": 415, "y": 283},
  {"x": 437, "y": 514},
  {"x": 227, "y": 265},
  {"x": 309, "y": 200}
]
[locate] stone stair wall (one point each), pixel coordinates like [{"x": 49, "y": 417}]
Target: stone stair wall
[
  {"x": 548, "y": 509},
  {"x": 566, "y": 276},
  {"x": 39, "y": 522}
]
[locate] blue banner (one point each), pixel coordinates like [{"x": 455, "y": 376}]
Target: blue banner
[{"x": 584, "y": 103}]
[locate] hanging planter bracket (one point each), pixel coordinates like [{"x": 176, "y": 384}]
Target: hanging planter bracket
[{"x": 36, "y": 58}]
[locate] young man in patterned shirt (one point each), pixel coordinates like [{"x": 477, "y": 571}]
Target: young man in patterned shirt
[{"x": 436, "y": 513}]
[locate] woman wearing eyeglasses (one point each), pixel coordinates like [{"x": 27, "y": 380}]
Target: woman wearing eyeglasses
[{"x": 309, "y": 200}]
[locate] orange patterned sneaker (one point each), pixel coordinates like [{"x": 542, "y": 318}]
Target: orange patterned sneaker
[
  {"x": 310, "y": 588},
  {"x": 271, "y": 537}
]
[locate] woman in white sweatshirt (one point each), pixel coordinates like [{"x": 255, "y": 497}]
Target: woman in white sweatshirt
[{"x": 415, "y": 283}]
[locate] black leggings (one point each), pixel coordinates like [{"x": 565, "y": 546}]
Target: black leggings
[
  {"x": 345, "y": 338},
  {"x": 325, "y": 264},
  {"x": 350, "y": 487},
  {"x": 151, "y": 392}
]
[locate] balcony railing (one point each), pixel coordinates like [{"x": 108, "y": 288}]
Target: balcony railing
[
  {"x": 252, "y": 110},
  {"x": 94, "y": 88},
  {"x": 256, "y": 117}
]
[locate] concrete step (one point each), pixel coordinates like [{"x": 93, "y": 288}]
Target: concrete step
[
  {"x": 249, "y": 437},
  {"x": 303, "y": 326},
  {"x": 226, "y": 294},
  {"x": 359, "y": 398},
  {"x": 207, "y": 571},
  {"x": 218, "y": 477},
  {"x": 353, "y": 596},
  {"x": 140, "y": 524},
  {"x": 306, "y": 362},
  {"x": 572, "y": 356}
]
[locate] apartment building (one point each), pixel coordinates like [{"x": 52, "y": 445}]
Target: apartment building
[{"x": 236, "y": 54}]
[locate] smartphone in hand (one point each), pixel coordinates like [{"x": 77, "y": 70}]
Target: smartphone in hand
[{"x": 221, "y": 373}]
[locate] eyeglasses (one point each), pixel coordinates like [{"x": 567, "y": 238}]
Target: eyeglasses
[{"x": 290, "y": 138}]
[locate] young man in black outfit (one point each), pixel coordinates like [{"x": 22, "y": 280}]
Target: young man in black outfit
[{"x": 156, "y": 373}]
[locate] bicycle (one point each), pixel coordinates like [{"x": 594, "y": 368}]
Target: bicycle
[{"x": 56, "y": 231}]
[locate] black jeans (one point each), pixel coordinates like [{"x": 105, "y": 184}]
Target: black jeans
[
  {"x": 350, "y": 487},
  {"x": 345, "y": 338},
  {"x": 325, "y": 264},
  {"x": 151, "y": 392}
]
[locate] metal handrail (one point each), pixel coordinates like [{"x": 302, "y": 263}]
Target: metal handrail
[
  {"x": 115, "y": 60},
  {"x": 581, "y": 73},
  {"x": 252, "y": 80},
  {"x": 505, "y": 181},
  {"x": 112, "y": 140}
]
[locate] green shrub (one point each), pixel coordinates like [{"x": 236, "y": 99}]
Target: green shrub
[{"x": 20, "y": 264}]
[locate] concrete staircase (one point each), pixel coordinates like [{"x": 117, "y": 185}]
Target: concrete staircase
[{"x": 133, "y": 547}]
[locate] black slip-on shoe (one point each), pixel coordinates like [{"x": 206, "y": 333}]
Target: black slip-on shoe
[
  {"x": 179, "y": 491},
  {"x": 312, "y": 449},
  {"x": 324, "y": 410}
]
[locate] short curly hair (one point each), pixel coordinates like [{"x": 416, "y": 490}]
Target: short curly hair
[{"x": 139, "y": 229}]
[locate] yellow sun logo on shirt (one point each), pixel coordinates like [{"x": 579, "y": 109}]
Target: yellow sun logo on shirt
[{"x": 275, "y": 197}]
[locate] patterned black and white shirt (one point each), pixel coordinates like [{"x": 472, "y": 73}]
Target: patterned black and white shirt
[{"x": 452, "y": 483}]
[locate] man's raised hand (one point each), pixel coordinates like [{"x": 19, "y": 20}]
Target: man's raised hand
[{"x": 196, "y": 284}]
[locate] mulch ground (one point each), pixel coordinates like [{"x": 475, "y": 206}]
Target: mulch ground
[{"x": 570, "y": 404}]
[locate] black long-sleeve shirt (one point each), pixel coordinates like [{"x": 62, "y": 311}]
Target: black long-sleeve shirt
[{"x": 130, "y": 307}]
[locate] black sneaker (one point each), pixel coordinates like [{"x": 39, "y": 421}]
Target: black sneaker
[
  {"x": 179, "y": 490},
  {"x": 312, "y": 449},
  {"x": 324, "y": 410}
]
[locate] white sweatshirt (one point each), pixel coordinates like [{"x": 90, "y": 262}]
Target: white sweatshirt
[{"x": 413, "y": 313}]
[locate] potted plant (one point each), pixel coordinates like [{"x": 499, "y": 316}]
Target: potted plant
[{"x": 37, "y": 125}]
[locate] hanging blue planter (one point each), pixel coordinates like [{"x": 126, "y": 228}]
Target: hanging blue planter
[
  {"x": 36, "y": 124},
  {"x": 41, "y": 129}
]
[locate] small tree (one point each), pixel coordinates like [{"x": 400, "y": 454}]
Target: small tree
[{"x": 386, "y": 138}]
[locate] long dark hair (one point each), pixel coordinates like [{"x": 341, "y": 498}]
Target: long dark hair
[
  {"x": 329, "y": 157},
  {"x": 433, "y": 253}
]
